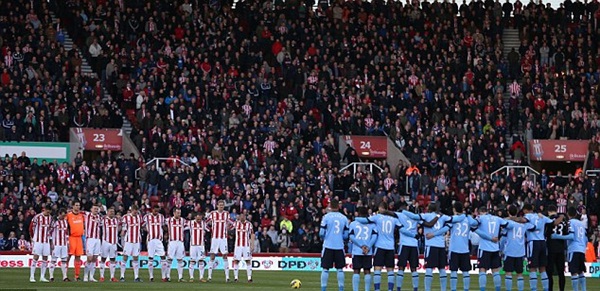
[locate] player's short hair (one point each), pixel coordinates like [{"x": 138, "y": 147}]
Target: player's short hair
[
  {"x": 383, "y": 204},
  {"x": 552, "y": 208},
  {"x": 62, "y": 211},
  {"x": 433, "y": 207},
  {"x": 76, "y": 202},
  {"x": 221, "y": 201},
  {"x": 48, "y": 207},
  {"x": 156, "y": 206},
  {"x": 134, "y": 207},
  {"x": 572, "y": 211},
  {"x": 512, "y": 210},
  {"x": 483, "y": 209},
  {"x": 334, "y": 204},
  {"x": 528, "y": 207},
  {"x": 363, "y": 211},
  {"x": 458, "y": 207}
]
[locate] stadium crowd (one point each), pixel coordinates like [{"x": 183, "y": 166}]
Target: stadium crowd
[{"x": 255, "y": 97}]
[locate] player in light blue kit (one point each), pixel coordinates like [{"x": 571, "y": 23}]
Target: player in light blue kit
[
  {"x": 409, "y": 247},
  {"x": 435, "y": 246},
  {"x": 385, "y": 222},
  {"x": 576, "y": 245},
  {"x": 334, "y": 231},
  {"x": 514, "y": 249},
  {"x": 459, "y": 247},
  {"x": 537, "y": 251},
  {"x": 362, "y": 237},
  {"x": 489, "y": 250}
]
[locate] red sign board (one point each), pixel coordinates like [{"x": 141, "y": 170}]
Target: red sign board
[
  {"x": 91, "y": 139},
  {"x": 554, "y": 150},
  {"x": 368, "y": 146}
]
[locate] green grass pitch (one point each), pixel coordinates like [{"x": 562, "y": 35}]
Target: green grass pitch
[{"x": 18, "y": 279}]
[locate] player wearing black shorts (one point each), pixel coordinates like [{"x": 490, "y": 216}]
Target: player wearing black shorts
[{"x": 556, "y": 250}]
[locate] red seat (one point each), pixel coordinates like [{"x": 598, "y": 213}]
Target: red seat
[{"x": 594, "y": 221}]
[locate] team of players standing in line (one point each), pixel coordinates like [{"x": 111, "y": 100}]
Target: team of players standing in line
[
  {"x": 62, "y": 238},
  {"x": 503, "y": 243}
]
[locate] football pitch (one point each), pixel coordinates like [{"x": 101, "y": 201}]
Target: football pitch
[{"x": 18, "y": 279}]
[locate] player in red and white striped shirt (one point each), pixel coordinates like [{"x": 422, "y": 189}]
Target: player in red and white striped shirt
[
  {"x": 92, "y": 222},
  {"x": 244, "y": 240},
  {"x": 220, "y": 222},
  {"x": 175, "y": 249},
  {"x": 154, "y": 223},
  {"x": 132, "y": 233},
  {"x": 40, "y": 233},
  {"x": 59, "y": 244},
  {"x": 110, "y": 236},
  {"x": 198, "y": 230}
]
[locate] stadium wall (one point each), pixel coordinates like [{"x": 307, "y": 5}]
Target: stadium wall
[{"x": 260, "y": 262}]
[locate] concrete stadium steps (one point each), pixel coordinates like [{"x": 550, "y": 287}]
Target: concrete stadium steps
[
  {"x": 510, "y": 39},
  {"x": 86, "y": 69}
]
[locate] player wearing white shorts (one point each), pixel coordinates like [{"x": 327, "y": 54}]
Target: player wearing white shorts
[
  {"x": 154, "y": 223},
  {"x": 176, "y": 250},
  {"x": 93, "y": 246},
  {"x": 111, "y": 226},
  {"x": 220, "y": 223},
  {"x": 132, "y": 233},
  {"x": 197, "y": 229},
  {"x": 59, "y": 244},
  {"x": 40, "y": 233},
  {"x": 244, "y": 238}
]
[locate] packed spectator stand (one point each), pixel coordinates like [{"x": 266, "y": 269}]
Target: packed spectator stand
[{"x": 255, "y": 98}]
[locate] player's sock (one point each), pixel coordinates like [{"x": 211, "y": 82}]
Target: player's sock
[
  {"x": 415, "y": 280},
  {"x": 355, "y": 281},
  {"x": 165, "y": 268},
  {"x": 191, "y": 267},
  {"x": 211, "y": 264},
  {"x": 443, "y": 279},
  {"x": 428, "y": 278},
  {"x": 340, "y": 279},
  {"x": 102, "y": 268},
  {"x": 520, "y": 284},
  {"x": 92, "y": 269},
  {"x": 533, "y": 281},
  {"x": 377, "y": 280},
  {"x": 545, "y": 282},
  {"x": 497, "y": 281},
  {"x": 63, "y": 268},
  {"x": 32, "y": 269},
  {"x": 136, "y": 269},
  {"x": 180, "y": 269},
  {"x": 249, "y": 269},
  {"x": 86, "y": 271},
  {"x": 77, "y": 268},
  {"x": 466, "y": 281},
  {"x": 391, "y": 279},
  {"x": 202, "y": 265},
  {"x": 168, "y": 269},
  {"x": 236, "y": 270},
  {"x": 582, "y": 283},
  {"x": 368, "y": 282},
  {"x": 575, "y": 282},
  {"x": 482, "y": 281},
  {"x": 111, "y": 267},
  {"x": 123, "y": 268},
  {"x": 324, "y": 279},
  {"x": 226, "y": 269},
  {"x": 508, "y": 282},
  {"x": 51, "y": 269},
  {"x": 44, "y": 265},
  {"x": 453, "y": 280},
  {"x": 399, "y": 279},
  {"x": 151, "y": 268}
]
